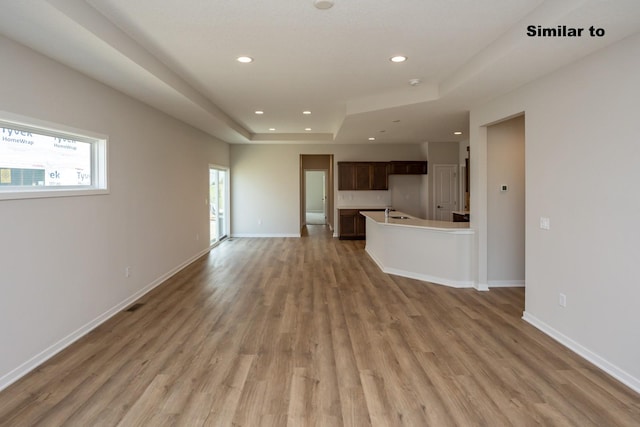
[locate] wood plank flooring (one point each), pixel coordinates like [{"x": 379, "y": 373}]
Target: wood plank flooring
[{"x": 297, "y": 332}]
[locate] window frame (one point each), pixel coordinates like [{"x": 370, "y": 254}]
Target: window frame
[{"x": 99, "y": 159}]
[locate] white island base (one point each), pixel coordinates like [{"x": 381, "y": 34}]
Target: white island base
[{"x": 432, "y": 251}]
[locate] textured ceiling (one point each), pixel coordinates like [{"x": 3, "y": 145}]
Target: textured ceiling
[{"x": 180, "y": 58}]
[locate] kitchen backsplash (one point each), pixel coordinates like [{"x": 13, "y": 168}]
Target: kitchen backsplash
[{"x": 363, "y": 198}]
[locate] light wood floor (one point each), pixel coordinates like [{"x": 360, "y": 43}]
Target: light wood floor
[{"x": 310, "y": 332}]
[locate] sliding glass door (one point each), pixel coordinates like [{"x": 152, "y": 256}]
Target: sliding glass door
[{"x": 218, "y": 209}]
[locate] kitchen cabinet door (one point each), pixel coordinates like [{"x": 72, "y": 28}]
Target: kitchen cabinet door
[
  {"x": 408, "y": 167},
  {"x": 363, "y": 175},
  {"x": 346, "y": 176},
  {"x": 379, "y": 176},
  {"x": 348, "y": 224}
]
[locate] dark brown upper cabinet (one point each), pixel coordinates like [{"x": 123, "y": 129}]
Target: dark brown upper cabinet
[
  {"x": 363, "y": 175},
  {"x": 408, "y": 167}
]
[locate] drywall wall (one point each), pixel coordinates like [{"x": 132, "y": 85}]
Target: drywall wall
[
  {"x": 505, "y": 208},
  {"x": 581, "y": 161},
  {"x": 63, "y": 259},
  {"x": 265, "y": 193},
  {"x": 407, "y": 194}
]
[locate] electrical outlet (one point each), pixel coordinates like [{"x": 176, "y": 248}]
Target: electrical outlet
[
  {"x": 127, "y": 272},
  {"x": 562, "y": 300},
  {"x": 259, "y": 221},
  {"x": 197, "y": 236}
]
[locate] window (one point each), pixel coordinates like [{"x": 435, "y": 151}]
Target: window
[{"x": 40, "y": 159}]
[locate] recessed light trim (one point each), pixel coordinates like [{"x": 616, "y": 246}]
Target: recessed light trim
[
  {"x": 371, "y": 138},
  {"x": 457, "y": 132},
  {"x": 259, "y": 112},
  {"x": 398, "y": 58},
  {"x": 272, "y": 129},
  {"x": 307, "y": 129},
  {"x": 306, "y": 112},
  {"x": 244, "y": 59}
]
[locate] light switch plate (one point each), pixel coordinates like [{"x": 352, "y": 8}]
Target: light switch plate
[{"x": 545, "y": 223}]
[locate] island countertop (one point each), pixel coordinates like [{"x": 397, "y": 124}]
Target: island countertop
[{"x": 411, "y": 221}]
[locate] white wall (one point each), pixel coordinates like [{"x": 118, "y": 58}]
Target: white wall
[
  {"x": 506, "y": 210},
  {"x": 407, "y": 194},
  {"x": 581, "y": 158},
  {"x": 265, "y": 193},
  {"x": 62, "y": 260}
]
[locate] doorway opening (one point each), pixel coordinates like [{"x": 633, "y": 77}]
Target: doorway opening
[
  {"x": 218, "y": 204},
  {"x": 315, "y": 197},
  {"x": 506, "y": 203},
  {"x": 316, "y": 190}
]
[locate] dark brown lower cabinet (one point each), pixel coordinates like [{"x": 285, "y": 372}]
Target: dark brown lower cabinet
[
  {"x": 460, "y": 217},
  {"x": 352, "y": 224}
]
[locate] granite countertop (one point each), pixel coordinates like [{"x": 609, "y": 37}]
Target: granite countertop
[
  {"x": 363, "y": 207},
  {"x": 412, "y": 221}
]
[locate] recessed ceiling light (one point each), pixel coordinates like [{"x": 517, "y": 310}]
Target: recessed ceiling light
[
  {"x": 307, "y": 129},
  {"x": 398, "y": 58},
  {"x": 244, "y": 59},
  {"x": 259, "y": 112},
  {"x": 371, "y": 138},
  {"x": 457, "y": 133},
  {"x": 307, "y": 112},
  {"x": 272, "y": 129}
]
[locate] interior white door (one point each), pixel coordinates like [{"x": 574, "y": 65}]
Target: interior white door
[
  {"x": 217, "y": 204},
  {"x": 445, "y": 190}
]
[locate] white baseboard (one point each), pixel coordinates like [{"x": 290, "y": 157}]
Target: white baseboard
[
  {"x": 609, "y": 368},
  {"x": 22, "y": 370},
  {"x": 266, "y": 235},
  {"x": 481, "y": 287},
  {"x": 506, "y": 283},
  {"x": 423, "y": 277}
]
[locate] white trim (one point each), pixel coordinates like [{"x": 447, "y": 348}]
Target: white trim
[
  {"x": 99, "y": 159},
  {"x": 506, "y": 284},
  {"x": 266, "y": 235},
  {"x": 423, "y": 277},
  {"x": 481, "y": 287},
  {"x": 22, "y": 370},
  {"x": 22, "y": 194},
  {"x": 609, "y": 368}
]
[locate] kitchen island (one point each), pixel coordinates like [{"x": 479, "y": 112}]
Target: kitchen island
[{"x": 433, "y": 251}]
